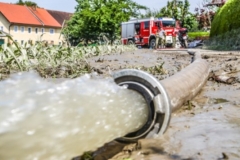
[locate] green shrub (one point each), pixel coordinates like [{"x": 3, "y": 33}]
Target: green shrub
[
  {"x": 226, "y": 19},
  {"x": 230, "y": 40}
]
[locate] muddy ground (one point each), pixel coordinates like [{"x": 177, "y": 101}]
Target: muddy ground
[{"x": 209, "y": 129}]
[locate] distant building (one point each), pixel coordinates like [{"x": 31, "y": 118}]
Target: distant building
[
  {"x": 60, "y": 16},
  {"x": 30, "y": 24}
]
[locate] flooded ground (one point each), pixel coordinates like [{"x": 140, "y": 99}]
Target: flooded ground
[
  {"x": 209, "y": 128},
  {"x": 42, "y": 120}
]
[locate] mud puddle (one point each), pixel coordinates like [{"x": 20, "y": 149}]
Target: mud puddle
[
  {"x": 141, "y": 59},
  {"x": 208, "y": 130}
]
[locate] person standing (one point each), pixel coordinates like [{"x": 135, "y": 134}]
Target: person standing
[
  {"x": 157, "y": 38},
  {"x": 162, "y": 35}
]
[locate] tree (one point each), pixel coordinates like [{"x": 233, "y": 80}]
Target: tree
[
  {"x": 27, "y": 3},
  {"x": 206, "y": 11},
  {"x": 20, "y": 2},
  {"x": 93, "y": 17},
  {"x": 151, "y": 13},
  {"x": 178, "y": 10}
]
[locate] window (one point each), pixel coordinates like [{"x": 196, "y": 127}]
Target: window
[
  {"x": 137, "y": 28},
  {"x": 170, "y": 23},
  {"x": 36, "y": 30},
  {"x": 146, "y": 25},
  {"x": 157, "y": 24},
  {"x": 15, "y": 28},
  {"x": 42, "y": 30},
  {"x": 22, "y": 29},
  {"x": 52, "y": 42},
  {"x": 1, "y": 28},
  {"x": 30, "y": 42},
  {"x": 51, "y": 31},
  {"x": 29, "y": 30},
  {"x": 22, "y": 42}
]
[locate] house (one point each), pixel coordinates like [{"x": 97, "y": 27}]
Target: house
[
  {"x": 2, "y": 35},
  {"x": 60, "y": 16},
  {"x": 29, "y": 24}
]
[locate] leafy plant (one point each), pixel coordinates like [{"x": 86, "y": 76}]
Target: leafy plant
[{"x": 52, "y": 61}]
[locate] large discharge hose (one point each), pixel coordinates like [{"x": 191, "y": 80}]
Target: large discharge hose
[{"x": 163, "y": 97}]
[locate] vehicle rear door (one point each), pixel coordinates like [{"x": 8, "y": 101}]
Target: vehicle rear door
[{"x": 145, "y": 26}]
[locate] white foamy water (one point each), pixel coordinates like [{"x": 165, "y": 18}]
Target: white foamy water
[{"x": 42, "y": 120}]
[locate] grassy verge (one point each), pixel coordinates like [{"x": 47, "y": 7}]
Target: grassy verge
[
  {"x": 198, "y": 35},
  {"x": 52, "y": 61},
  {"x": 228, "y": 41}
]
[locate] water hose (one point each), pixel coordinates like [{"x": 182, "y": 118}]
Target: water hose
[{"x": 165, "y": 96}]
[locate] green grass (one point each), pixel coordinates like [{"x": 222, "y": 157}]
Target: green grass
[{"x": 198, "y": 35}]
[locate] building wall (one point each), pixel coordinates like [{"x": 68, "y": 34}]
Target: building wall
[
  {"x": 20, "y": 33},
  {"x": 26, "y": 33},
  {"x": 4, "y": 25}
]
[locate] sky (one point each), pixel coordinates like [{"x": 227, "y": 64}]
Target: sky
[{"x": 69, "y": 5}]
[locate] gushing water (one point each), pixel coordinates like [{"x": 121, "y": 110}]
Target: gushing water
[{"x": 57, "y": 121}]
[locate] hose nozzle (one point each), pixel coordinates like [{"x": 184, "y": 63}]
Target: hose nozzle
[{"x": 159, "y": 109}]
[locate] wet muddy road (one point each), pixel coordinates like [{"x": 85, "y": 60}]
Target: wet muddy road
[{"x": 206, "y": 128}]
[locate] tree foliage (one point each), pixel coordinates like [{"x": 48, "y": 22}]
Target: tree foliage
[
  {"x": 27, "y": 3},
  {"x": 226, "y": 19},
  {"x": 93, "y": 17},
  {"x": 176, "y": 9},
  {"x": 205, "y": 13}
]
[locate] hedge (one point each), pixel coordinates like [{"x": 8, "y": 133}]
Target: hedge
[{"x": 226, "y": 19}]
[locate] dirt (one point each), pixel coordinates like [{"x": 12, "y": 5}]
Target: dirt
[{"x": 208, "y": 128}]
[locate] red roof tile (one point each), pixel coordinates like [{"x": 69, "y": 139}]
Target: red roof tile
[
  {"x": 45, "y": 17},
  {"x": 18, "y": 14},
  {"x": 26, "y": 15}
]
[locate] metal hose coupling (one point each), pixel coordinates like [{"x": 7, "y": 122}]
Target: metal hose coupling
[{"x": 156, "y": 97}]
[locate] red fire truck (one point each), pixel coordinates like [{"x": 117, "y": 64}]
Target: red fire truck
[{"x": 142, "y": 31}]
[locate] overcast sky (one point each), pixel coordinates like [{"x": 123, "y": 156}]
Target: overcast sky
[{"x": 69, "y": 5}]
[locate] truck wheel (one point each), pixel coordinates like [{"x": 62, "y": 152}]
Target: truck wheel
[
  {"x": 152, "y": 43},
  {"x": 130, "y": 42}
]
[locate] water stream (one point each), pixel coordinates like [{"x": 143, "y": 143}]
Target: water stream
[{"x": 40, "y": 119}]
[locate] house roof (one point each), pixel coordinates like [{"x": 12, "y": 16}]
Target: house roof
[
  {"x": 45, "y": 17},
  {"x": 60, "y": 16},
  {"x": 18, "y": 14},
  {"x": 27, "y": 15}
]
